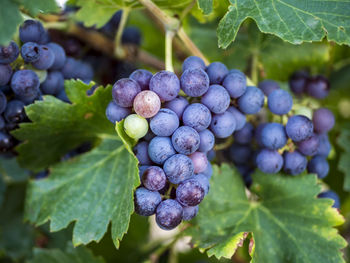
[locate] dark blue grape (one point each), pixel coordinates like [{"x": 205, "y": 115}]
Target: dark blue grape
[
  {"x": 297, "y": 82},
  {"x": 258, "y": 131},
  {"x": 31, "y": 31},
  {"x": 203, "y": 180},
  {"x": 268, "y": 86},
  {"x": 251, "y": 101},
  {"x": 142, "y": 169},
  {"x": 169, "y": 214},
  {"x": 177, "y": 105},
  {"x": 178, "y": 168},
  {"x": 2, "y": 123},
  {"x": 318, "y": 165},
  {"x": 235, "y": 83},
  {"x": 30, "y": 52},
  {"x": 318, "y": 87},
  {"x": 216, "y": 71},
  {"x": 84, "y": 72},
  {"x": 53, "y": 83},
  {"x": 244, "y": 135},
  {"x": 194, "y": 82},
  {"x": 116, "y": 113},
  {"x": 324, "y": 146},
  {"x": 239, "y": 117},
  {"x": 207, "y": 140},
  {"x": 280, "y": 102},
  {"x": 273, "y": 136},
  {"x": 216, "y": 99},
  {"x": 153, "y": 178},
  {"x": 331, "y": 195},
  {"x": 323, "y": 120},
  {"x": 6, "y": 142},
  {"x": 294, "y": 163},
  {"x": 240, "y": 154},
  {"x": 269, "y": 161},
  {"x": 59, "y": 54},
  {"x": 131, "y": 35},
  {"x": 146, "y": 201},
  {"x": 15, "y": 111},
  {"x": 208, "y": 172},
  {"x": 160, "y": 149},
  {"x": 142, "y": 77},
  {"x": 309, "y": 146},
  {"x": 25, "y": 83},
  {"x": 166, "y": 84},
  {"x": 111, "y": 27},
  {"x": 46, "y": 58},
  {"x": 5, "y": 74},
  {"x": 197, "y": 116},
  {"x": 189, "y": 212},
  {"x": 70, "y": 68},
  {"x": 124, "y": 92},
  {"x": 190, "y": 192},
  {"x": 185, "y": 140},
  {"x": 299, "y": 128},
  {"x": 193, "y": 62},
  {"x": 164, "y": 123},
  {"x": 223, "y": 125},
  {"x": 141, "y": 152},
  {"x": 9, "y": 53}
]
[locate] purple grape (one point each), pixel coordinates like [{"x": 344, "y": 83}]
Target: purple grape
[
  {"x": 164, "y": 123},
  {"x": 5, "y": 74},
  {"x": 331, "y": 195},
  {"x": 280, "y": 102},
  {"x": 193, "y": 62},
  {"x": 297, "y": 82},
  {"x": 208, "y": 172},
  {"x": 146, "y": 201},
  {"x": 70, "y": 68},
  {"x": 59, "y": 54},
  {"x": 160, "y": 149},
  {"x": 141, "y": 152},
  {"x": 6, "y": 142},
  {"x": 3, "y": 102},
  {"x": 200, "y": 161},
  {"x": 223, "y": 125},
  {"x": 153, "y": 178},
  {"x": 46, "y": 58},
  {"x": 166, "y": 84},
  {"x": 294, "y": 163},
  {"x": 324, "y": 146},
  {"x": 30, "y": 52},
  {"x": 244, "y": 135},
  {"x": 116, "y": 113},
  {"x": 211, "y": 155},
  {"x": 268, "y": 86},
  {"x": 142, "y": 169},
  {"x": 251, "y": 101},
  {"x": 53, "y": 83},
  {"x": 318, "y": 87},
  {"x": 240, "y": 154},
  {"x": 216, "y": 71},
  {"x": 207, "y": 140},
  {"x": 197, "y": 116},
  {"x": 177, "y": 105},
  {"x": 189, "y": 212},
  {"x": 169, "y": 214},
  {"x": 216, "y": 99},
  {"x": 190, "y": 192},
  {"x": 147, "y": 104},
  {"x": 194, "y": 82},
  {"x": 25, "y": 83},
  {"x": 318, "y": 165},
  {"x": 269, "y": 161},
  {"x": 31, "y": 31},
  {"x": 142, "y": 77},
  {"x": 258, "y": 131},
  {"x": 235, "y": 83},
  {"x": 273, "y": 136},
  {"x": 185, "y": 140},
  {"x": 239, "y": 117},
  {"x": 299, "y": 128},
  {"x": 323, "y": 120},
  {"x": 14, "y": 112},
  {"x": 124, "y": 92},
  {"x": 9, "y": 53},
  {"x": 309, "y": 146},
  {"x": 203, "y": 180},
  {"x": 178, "y": 168}
]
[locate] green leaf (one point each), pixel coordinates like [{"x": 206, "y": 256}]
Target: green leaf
[
  {"x": 10, "y": 18},
  {"x": 206, "y": 6},
  {"x": 70, "y": 255},
  {"x": 11, "y": 172},
  {"x": 58, "y": 127},
  {"x": 344, "y": 162},
  {"x": 93, "y": 190},
  {"x": 293, "y": 21},
  {"x": 39, "y": 6},
  {"x": 286, "y": 220},
  {"x": 128, "y": 142}
]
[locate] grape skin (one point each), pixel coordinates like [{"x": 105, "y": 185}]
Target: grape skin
[
  {"x": 160, "y": 149},
  {"x": 323, "y": 120},
  {"x": 273, "y": 136},
  {"x": 164, "y": 123},
  {"x": 280, "y": 102},
  {"x": 142, "y": 77},
  {"x": 178, "y": 168},
  {"x": 9, "y": 53},
  {"x": 25, "y": 83},
  {"x": 199, "y": 161},
  {"x": 197, "y": 116},
  {"x": 269, "y": 161},
  {"x": 135, "y": 126},
  {"x": 216, "y": 99},
  {"x": 294, "y": 163},
  {"x": 46, "y": 58},
  {"x": 59, "y": 54},
  {"x": 235, "y": 83},
  {"x": 216, "y": 71},
  {"x": 268, "y": 86},
  {"x": 299, "y": 128},
  {"x": 141, "y": 152},
  {"x": 169, "y": 214},
  {"x": 194, "y": 82},
  {"x": 146, "y": 201},
  {"x": 190, "y": 192},
  {"x": 223, "y": 125},
  {"x": 244, "y": 135},
  {"x": 239, "y": 117},
  {"x": 318, "y": 165},
  {"x": 193, "y": 62},
  {"x": 166, "y": 84},
  {"x": 147, "y": 104},
  {"x": 189, "y": 212},
  {"x": 116, "y": 113},
  {"x": 207, "y": 141},
  {"x": 177, "y": 105},
  {"x": 53, "y": 83},
  {"x": 30, "y": 52},
  {"x": 185, "y": 140},
  {"x": 5, "y": 74},
  {"x": 124, "y": 92},
  {"x": 251, "y": 101},
  {"x": 240, "y": 154},
  {"x": 309, "y": 147},
  {"x": 153, "y": 178}
]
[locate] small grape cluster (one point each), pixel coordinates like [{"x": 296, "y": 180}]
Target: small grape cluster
[{"x": 41, "y": 69}]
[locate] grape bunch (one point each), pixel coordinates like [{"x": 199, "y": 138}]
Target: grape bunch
[{"x": 38, "y": 67}]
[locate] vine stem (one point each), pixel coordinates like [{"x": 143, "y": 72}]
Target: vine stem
[
  {"x": 169, "y": 35},
  {"x": 119, "y": 51}
]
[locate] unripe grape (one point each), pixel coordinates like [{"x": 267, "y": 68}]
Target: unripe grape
[
  {"x": 147, "y": 104},
  {"x": 135, "y": 126}
]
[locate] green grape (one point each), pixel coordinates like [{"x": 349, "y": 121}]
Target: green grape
[{"x": 135, "y": 126}]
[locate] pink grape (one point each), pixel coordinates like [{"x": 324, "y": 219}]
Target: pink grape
[
  {"x": 147, "y": 104},
  {"x": 200, "y": 161}
]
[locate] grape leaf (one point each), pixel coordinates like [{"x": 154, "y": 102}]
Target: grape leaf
[
  {"x": 70, "y": 255},
  {"x": 344, "y": 162},
  {"x": 292, "y": 20},
  {"x": 11, "y": 171},
  {"x": 206, "y": 6},
  {"x": 286, "y": 220},
  {"x": 10, "y": 16},
  {"x": 93, "y": 190},
  {"x": 58, "y": 127}
]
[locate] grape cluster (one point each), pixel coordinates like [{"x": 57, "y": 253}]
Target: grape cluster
[{"x": 36, "y": 68}]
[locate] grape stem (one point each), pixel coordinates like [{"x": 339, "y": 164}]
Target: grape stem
[
  {"x": 169, "y": 35},
  {"x": 119, "y": 51}
]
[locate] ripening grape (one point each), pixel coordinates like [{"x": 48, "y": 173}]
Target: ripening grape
[
  {"x": 146, "y": 104},
  {"x": 200, "y": 161}
]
